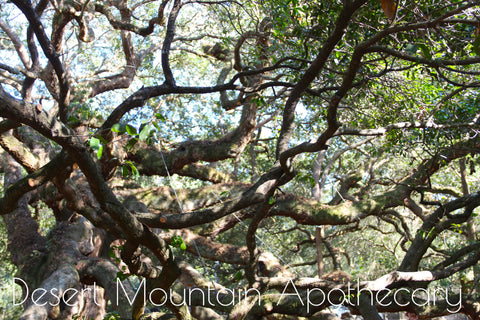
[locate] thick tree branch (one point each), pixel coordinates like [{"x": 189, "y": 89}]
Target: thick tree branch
[
  {"x": 311, "y": 73},
  {"x": 50, "y": 52},
  {"x": 19, "y": 46},
  {"x": 167, "y": 72},
  {"x": 121, "y": 25},
  {"x": 52, "y": 129}
]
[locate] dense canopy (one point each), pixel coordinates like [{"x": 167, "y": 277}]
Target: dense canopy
[{"x": 270, "y": 159}]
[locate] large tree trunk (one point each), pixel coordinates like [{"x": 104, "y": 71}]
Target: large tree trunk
[{"x": 57, "y": 262}]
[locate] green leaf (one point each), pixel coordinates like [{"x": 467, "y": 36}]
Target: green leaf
[
  {"x": 102, "y": 139},
  {"x": 72, "y": 120},
  {"x": 94, "y": 143},
  {"x": 160, "y": 117},
  {"x": 131, "y": 143},
  {"x": 271, "y": 200},
  {"x": 411, "y": 48},
  {"x": 183, "y": 246},
  {"x": 100, "y": 152},
  {"x": 112, "y": 316},
  {"x": 238, "y": 275},
  {"x": 177, "y": 241},
  {"x": 476, "y": 46},
  {"x": 145, "y": 133},
  {"x": 425, "y": 51},
  {"x": 125, "y": 171},
  {"x": 156, "y": 126},
  {"x": 122, "y": 276},
  {"x": 130, "y": 130},
  {"x": 133, "y": 168},
  {"x": 119, "y": 127}
]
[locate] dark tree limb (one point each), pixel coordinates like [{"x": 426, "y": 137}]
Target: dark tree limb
[
  {"x": 167, "y": 72},
  {"x": 50, "y": 52}
]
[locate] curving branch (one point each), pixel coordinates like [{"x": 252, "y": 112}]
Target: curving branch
[
  {"x": 309, "y": 75},
  {"x": 406, "y": 125},
  {"x": 123, "y": 25},
  {"x": 436, "y": 63},
  {"x": 19, "y": 152},
  {"x": 167, "y": 72},
  {"x": 50, "y": 53},
  {"x": 32, "y": 181},
  {"x": 66, "y": 137},
  {"x": 19, "y": 46},
  {"x": 434, "y": 225},
  {"x": 151, "y": 161}
]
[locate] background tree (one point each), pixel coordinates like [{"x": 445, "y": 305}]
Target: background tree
[{"x": 263, "y": 145}]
